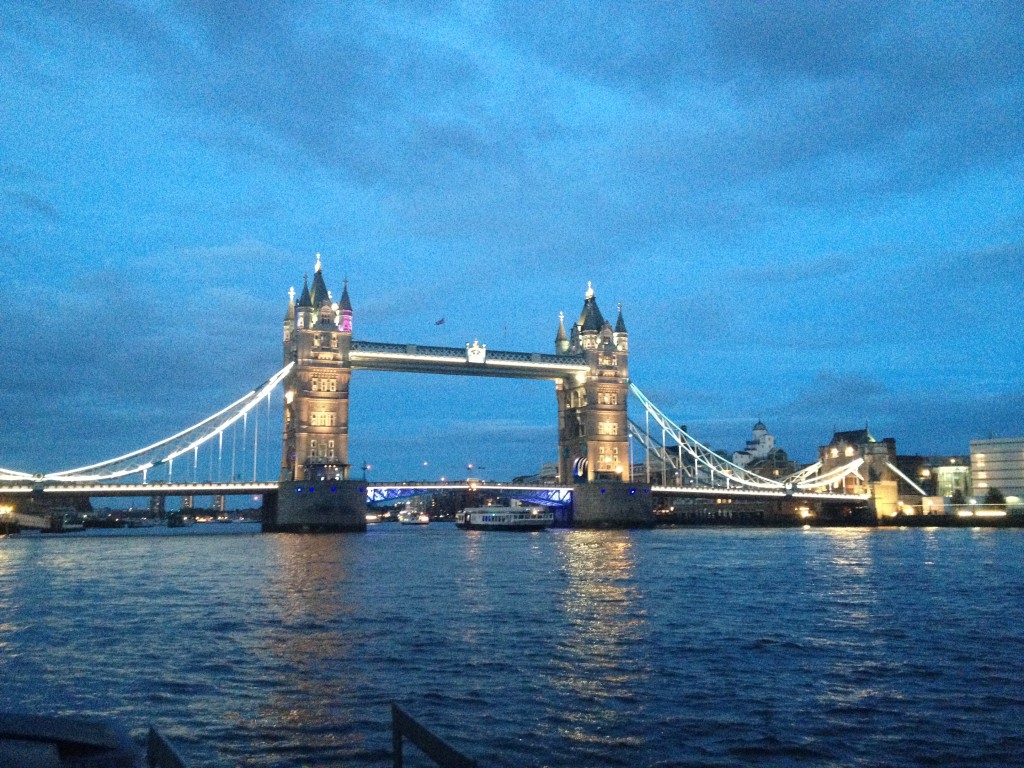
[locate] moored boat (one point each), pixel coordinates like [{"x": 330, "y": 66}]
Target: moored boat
[{"x": 504, "y": 519}]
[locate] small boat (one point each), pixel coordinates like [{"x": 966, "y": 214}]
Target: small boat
[
  {"x": 412, "y": 518},
  {"x": 371, "y": 518},
  {"x": 504, "y": 519}
]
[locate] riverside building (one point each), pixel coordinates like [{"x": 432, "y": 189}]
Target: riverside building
[{"x": 998, "y": 463}]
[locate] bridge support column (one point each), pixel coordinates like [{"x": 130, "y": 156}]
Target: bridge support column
[
  {"x": 612, "y": 504},
  {"x": 317, "y": 506}
]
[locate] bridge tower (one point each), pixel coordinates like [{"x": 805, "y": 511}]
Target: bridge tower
[
  {"x": 315, "y": 491},
  {"x": 317, "y": 338},
  {"x": 593, "y": 431},
  {"x": 593, "y": 426}
]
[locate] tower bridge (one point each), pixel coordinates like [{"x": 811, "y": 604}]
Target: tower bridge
[{"x": 589, "y": 368}]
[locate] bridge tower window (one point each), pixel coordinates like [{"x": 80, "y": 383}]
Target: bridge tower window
[
  {"x": 313, "y": 448},
  {"x": 322, "y": 419}
]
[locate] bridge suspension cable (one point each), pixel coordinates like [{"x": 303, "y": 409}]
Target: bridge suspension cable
[
  {"x": 167, "y": 450},
  {"x": 13, "y": 475},
  {"x": 697, "y": 465},
  {"x": 707, "y": 467}
]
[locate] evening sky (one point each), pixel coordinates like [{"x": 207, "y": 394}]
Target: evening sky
[{"x": 812, "y": 214}]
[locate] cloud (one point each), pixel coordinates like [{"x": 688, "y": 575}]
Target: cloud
[
  {"x": 31, "y": 203},
  {"x": 777, "y": 192}
]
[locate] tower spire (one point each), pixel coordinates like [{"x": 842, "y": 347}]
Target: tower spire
[
  {"x": 345, "y": 308},
  {"x": 290, "y": 314},
  {"x": 561, "y": 340}
]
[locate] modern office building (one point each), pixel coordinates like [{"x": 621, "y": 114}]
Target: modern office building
[{"x": 998, "y": 463}]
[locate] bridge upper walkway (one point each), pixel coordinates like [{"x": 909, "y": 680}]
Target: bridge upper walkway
[{"x": 471, "y": 360}]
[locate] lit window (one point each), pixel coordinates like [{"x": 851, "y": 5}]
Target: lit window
[
  {"x": 315, "y": 384},
  {"x": 849, "y": 450}
]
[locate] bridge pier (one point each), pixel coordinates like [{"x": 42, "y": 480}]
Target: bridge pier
[
  {"x": 316, "y": 506},
  {"x": 612, "y": 504}
]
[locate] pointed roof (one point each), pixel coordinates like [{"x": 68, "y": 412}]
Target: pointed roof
[
  {"x": 290, "y": 314},
  {"x": 590, "y": 317},
  {"x": 345, "y": 304},
  {"x": 319, "y": 293},
  {"x": 620, "y": 324},
  {"x": 304, "y": 299},
  {"x": 560, "y": 336}
]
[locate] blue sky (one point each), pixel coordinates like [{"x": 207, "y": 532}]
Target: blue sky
[{"x": 812, "y": 213}]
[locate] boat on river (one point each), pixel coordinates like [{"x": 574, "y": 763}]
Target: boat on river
[
  {"x": 412, "y": 518},
  {"x": 504, "y": 519}
]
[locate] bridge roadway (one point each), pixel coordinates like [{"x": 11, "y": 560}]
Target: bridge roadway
[{"x": 381, "y": 491}]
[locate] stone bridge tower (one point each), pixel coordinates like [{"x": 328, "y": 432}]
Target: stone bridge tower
[
  {"x": 317, "y": 338},
  {"x": 593, "y": 431},
  {"x": 315, "y": 491}
]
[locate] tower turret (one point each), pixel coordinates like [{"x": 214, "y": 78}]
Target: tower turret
[
  {"x": 345, "y": 309},
  {"x": 289, "y": 324},
  {"x": 561, "y": 340},
  {"x": 591, "y": 321},
  {"x": 303, "y": 309},
  {"x": 621, "y": 337},
  {"x": 318, "y": 294}
]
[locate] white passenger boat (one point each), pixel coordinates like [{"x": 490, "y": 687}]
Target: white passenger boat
[
  {"x": 504, "y": 519},
  {"x": 412, "y": 518}
]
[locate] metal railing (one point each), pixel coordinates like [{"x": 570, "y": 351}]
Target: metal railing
[
  {"x": 440, "y": 753},
  {"x": 160, "y": 753}
]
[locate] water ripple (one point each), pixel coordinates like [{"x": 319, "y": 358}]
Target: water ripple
[{"x": 654, "y": 648}]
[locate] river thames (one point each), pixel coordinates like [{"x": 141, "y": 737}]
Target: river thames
[{"x": 668, "y": 647}]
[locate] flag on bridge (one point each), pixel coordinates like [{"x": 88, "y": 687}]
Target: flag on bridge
[{"x": 440, "y": 322}]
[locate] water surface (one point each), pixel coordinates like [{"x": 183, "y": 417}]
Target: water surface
[{"x": 701, "y": 647}]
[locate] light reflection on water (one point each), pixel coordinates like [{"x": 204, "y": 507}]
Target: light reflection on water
[
  {"x": 666, "y": 647},
  {"x": 597, "y": 669}
]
